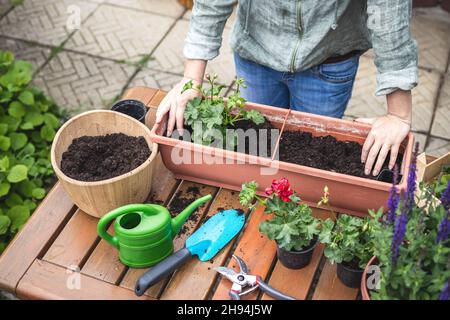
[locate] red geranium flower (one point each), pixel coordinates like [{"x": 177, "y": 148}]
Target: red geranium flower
[{"x": 281, "y": 188}]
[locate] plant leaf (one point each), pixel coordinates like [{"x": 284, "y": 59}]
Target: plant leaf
[
  {"x": 18, "y": 173},
  {"x": 38, "y": 193},
  {"x": 5, "y": 222},
  {"x": 4, "y": 188},
  {"x": 4, "y": 164},
  {"x": 18, "y": 140},
  {"x": 16, "y": 109},
  {"x": 27, "y": 98},
  {"x": 47, "y": 133},
  {"x": 18, "y": 215},
  {"x": 5, "y": 143}
]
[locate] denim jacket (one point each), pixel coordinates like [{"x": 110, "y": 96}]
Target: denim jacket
[{"x": 294, "y": 35}]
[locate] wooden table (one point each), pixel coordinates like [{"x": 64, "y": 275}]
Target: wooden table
[{"x": 58, "y": 254}]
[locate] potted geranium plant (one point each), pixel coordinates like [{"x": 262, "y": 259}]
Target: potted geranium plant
[
  {"x": 293, "y": 227},
  {"x": 348, "y": 243},
  {"x": 411, "y": 246}
]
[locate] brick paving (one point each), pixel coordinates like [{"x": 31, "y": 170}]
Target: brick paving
[
  {"x": 79, "y": 82},
  {"x": 120, "y": 33},
  {"x": 89, "y": 67}
]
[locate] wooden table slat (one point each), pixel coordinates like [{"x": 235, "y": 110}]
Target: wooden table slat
[
  {"x": 75, "y": 242},
  {"x": 129, "y": 281},
  {"x": 295, "y": 283},
  {"x": 330, "y": 287},
  {"x": 45, "y": 280},
  {"x": 34, "y": 237},
  {"x": 195, "y": 279},
  {"x": 142, "y": 94},
  {"x": 104, "y": 263},
  {"x": 256, "y": 250},
  {"x": 157, "y": 98}
]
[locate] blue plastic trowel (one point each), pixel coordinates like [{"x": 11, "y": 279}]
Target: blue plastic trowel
[{"x": 205, "y": 243}]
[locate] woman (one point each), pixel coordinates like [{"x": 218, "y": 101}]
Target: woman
[{"x": 304, "y": 55}]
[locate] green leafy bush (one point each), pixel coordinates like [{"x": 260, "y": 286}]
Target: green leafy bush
[{"x": 28, "y": 123}]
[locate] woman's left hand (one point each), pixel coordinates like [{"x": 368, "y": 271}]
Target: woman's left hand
[
  {"x": 387, "y": 132},
  {"x": 386, "y": 135}
]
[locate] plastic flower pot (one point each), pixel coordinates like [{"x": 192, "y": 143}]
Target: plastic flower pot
[
  {"x": 296, "y": 259},
  {"x": 365, "y": 293},
  {"x": 349, "y": 276},
  {"x": 133, "y": 108},
  {"x": 425, "y": 3},
  {"x": 354, "y": 195},
  {"x": 99, "y": 197},
  {"x": 445, "y": 4}
]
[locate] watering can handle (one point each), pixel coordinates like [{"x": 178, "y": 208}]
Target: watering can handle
[{"x": 103, "y": 224}]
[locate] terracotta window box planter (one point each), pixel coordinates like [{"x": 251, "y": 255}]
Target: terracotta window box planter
[{"x": 350, "y": 194}]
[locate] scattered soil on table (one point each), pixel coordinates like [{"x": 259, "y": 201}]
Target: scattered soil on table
[
  {"x": 181, "y": 201},
  {"x": 95, "y": 158},
  {"x": 325, "y": 153}
]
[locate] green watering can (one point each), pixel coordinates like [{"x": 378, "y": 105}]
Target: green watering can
[{"x": 144, "y": 232}]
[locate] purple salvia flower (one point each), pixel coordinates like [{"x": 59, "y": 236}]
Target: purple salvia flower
[
  {"x": 411, "y": 183},
  {"x": 407, "y": 206},
  {"x": 444, "y": 229},
  {"x": 393, "y": 198},
  {"x": 399, "y": 233},
  {"x": 445, "y": 197},
  {"x": 445, "y": 294},
  {"x": 444, "y": 226}
]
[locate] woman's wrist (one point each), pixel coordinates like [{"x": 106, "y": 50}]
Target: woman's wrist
[
  {"x": 195, "y": 70},
  {"x": 399, "y": 105}
]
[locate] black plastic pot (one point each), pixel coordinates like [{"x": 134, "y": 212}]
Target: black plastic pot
[
  {"x": 297, "y": 259},
  {"x": 349, "y": 276},
  {"x": 133, "y": 108}
]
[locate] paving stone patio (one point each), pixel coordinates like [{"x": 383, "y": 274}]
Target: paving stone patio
[{"x": 91, "y": 66}]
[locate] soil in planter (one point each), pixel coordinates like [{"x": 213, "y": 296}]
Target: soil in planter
[
  {"x": 95, "y": 158},
  {"x": 247, "y": 125},
  {"x": 325, "y": 153}
]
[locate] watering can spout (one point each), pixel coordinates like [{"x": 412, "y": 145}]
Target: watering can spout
[{"x": 181, "y": 218}]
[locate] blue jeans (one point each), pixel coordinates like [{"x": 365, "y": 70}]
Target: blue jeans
[{"x": 324, "y": 89}]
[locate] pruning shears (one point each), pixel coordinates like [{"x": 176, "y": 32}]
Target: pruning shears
[{"x": 242, "y": 279}]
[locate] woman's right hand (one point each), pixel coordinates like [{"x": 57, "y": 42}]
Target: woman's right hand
[{"x": 174, "y": 103}]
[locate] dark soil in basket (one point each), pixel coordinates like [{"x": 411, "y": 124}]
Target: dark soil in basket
[
  {"x": 95, "y": 158},
  {"x": 325, "y": 153}
]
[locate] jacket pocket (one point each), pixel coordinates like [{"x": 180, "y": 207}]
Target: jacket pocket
[{"x": 339, "y": 72}]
